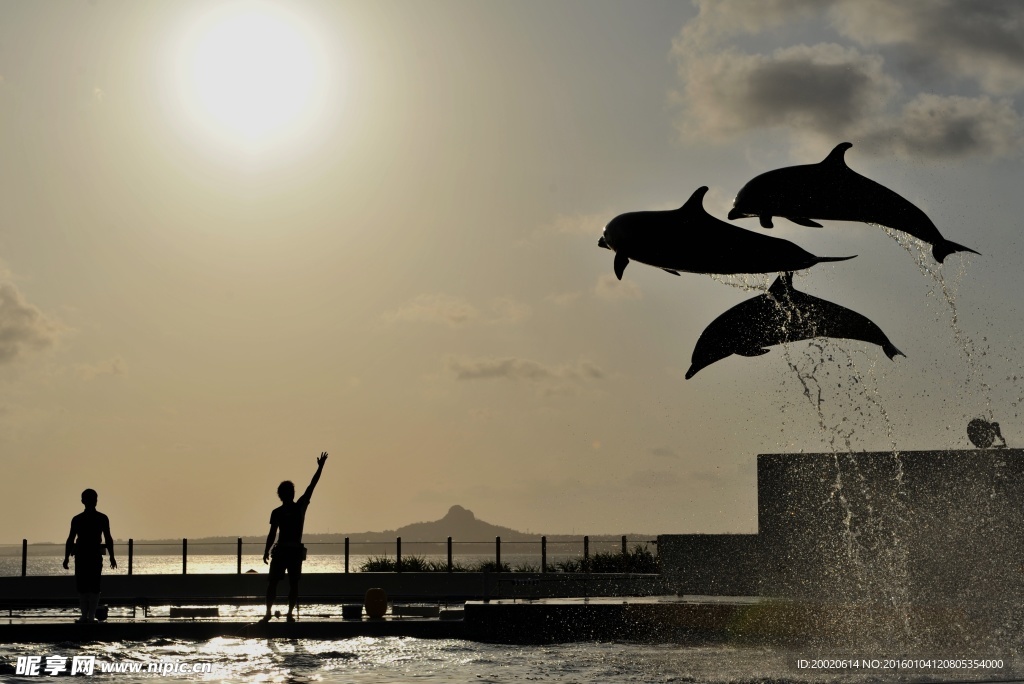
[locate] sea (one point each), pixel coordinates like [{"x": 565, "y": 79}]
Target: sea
[
  {"x": 408, "y": 659},
  {"x": 404, "y": 659},
  {"x": 395, "y": 659}
]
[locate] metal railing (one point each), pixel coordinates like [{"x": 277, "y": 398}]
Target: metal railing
[{"x": 575, "y": 554}]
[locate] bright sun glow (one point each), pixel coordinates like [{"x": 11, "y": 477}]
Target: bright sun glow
[{"x": 251, "y": 74}]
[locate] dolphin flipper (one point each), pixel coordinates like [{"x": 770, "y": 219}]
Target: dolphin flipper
[
  {"x": 766, "y": 221},
  {"x": 669, "y": 270},
  {"x": 800, "y": 221},
  {"x": 621, "y": 261}
]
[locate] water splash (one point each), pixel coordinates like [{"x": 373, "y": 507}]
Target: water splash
[
  {"x": 747, "y": 282},
  {"x": 947, "y": 290}
]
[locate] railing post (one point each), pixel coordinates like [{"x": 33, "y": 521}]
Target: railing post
[
  {"x": 184, "y": 556},
  {"x": 24, "y": 557},
  {"x": 346, "y": 555},
  {"x": 586, "y": 553},
  {"x": 239, "y": 555},
  {"x": 497, "y": 553},
  {"x": 398, "y": 555},
  {"x": 131, "y": 554},
  {"x": 449, "y": 554},
  {"x": 543, "y": 554}
]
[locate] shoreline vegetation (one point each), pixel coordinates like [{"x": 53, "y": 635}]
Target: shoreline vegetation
[{"x": 639, "y": 559}]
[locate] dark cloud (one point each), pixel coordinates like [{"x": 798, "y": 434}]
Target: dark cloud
[
  {"x": 653, "y": 479},
  {"x": 435, "y": 308},
  {"x": 823, "y": 88},
  {"x": 949, "y": 127},
  {"x": 91, "y": 371},
  {"x": 522, "y": 369},
  {"x": 981, "y": 40},
  {"x": 830, "y": 91},
  {"x": 455, "y": 311},
  {"x": 23, "y": 328}
]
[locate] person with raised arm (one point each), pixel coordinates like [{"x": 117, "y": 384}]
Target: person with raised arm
[
  {"x": 287, "y": 554},
  {"x": 89, "y": 537}
]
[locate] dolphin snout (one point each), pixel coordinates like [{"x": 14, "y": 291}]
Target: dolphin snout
[
  {"x": 735, "y": 214},
  {"x": 603, "y": 243}
]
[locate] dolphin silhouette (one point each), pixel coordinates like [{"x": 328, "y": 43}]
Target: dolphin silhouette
[
  {"x": 831, "y": 190},
  {"x": 692, "y": 240},
  {"x": 783, "y": 314}
]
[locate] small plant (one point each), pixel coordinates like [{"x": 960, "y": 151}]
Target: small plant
[{"x": 378, "y": 564}]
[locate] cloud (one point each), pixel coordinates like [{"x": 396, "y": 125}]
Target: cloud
[
  {"x": 23, "y": 328},
  {"x": 663, "y": 452},
  {"x": 982, "y": 40},
  {"x": 822, "y": 88},
  {"x": 91, "y": 371},
  {"x": 950, "y": 127},
  {"x": 455, "y": 311},
  {"x": 508, "y": 311},
  {"x": 613, "y": 290},
  {"x": 580, "y": 224},
  {"x": 832, "y": 91},
  {"x": 652, "y": 479},
  {"x": 512, "y": 368},
  {"x": 563, "y": 298},
  {"x": 435, "y": 308}
]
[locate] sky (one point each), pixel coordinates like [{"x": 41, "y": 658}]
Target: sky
[{"x": 236, "y": 234}]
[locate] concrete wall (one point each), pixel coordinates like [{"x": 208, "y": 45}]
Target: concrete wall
[
  {"x": 922, "y": 526},
  {"x": 711, "y": 564}
]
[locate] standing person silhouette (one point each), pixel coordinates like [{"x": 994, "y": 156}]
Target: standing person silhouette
[
  {"x": 85, "y": 545},
  {"x": 289, "y": 552}
]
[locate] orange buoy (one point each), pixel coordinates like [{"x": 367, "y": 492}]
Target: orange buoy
[{"x": 375, "y": 602}]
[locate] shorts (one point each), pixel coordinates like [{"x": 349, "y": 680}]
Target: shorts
[
  {"x": 88, "y": 570},
  {"x": 286, "y": 558}
]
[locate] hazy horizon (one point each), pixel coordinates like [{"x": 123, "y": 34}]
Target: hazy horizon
[{"x": 236, "y": 234}]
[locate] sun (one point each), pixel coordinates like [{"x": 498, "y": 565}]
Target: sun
[{"x": 250, "y": 74}]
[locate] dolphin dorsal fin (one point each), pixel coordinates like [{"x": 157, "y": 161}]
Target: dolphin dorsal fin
[
  {"x": 696, "y": 200},
  {"x": 838, "y": 154}
]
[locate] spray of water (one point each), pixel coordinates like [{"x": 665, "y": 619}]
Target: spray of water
[
  {"x": 840, "y": 385},
  {"x": 945, "y": 289}
]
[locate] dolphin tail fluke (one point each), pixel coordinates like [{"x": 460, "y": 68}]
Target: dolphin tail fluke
[
  {"x": 821, "y": 260},
  {"x": 621, "y": 261},
  {"x": 943, "y": 249},
  {"x": 891, "y": 351}
]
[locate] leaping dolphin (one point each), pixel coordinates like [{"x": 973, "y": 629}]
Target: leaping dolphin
[
  {"x": 692, "y": 240},
  {"x": 783, "y": 314},
  {"x": 831, "y": 190}
]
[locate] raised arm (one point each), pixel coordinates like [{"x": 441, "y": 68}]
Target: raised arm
[{"x": 316, "y": 477}]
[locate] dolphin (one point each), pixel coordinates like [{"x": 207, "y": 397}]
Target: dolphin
[
  {"x": 831, "y": 190},
  {"x": 781, "y": 315},
  {"x": 692, "y": 240}
]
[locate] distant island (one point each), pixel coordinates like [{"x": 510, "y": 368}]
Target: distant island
[{"x": 471, "y": 534}]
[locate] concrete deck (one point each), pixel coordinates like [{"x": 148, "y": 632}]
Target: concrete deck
[{"x": 690, "y": 619}]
